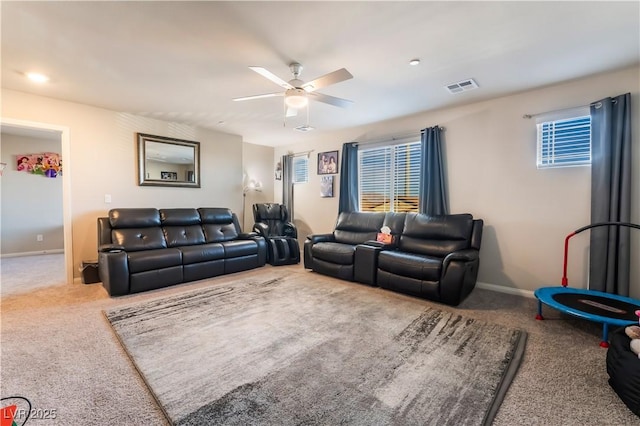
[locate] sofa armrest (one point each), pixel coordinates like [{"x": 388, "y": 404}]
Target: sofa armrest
[
  {"x": 290, "y": 230},
  {"x": 106, "y": 248},
  {"x": 459, "y": 274},
  {"x": 113, "y": 268},
  {"x": 466, "y": 255},
  {"x": 380, "y": 245},
  {"x": 308, "y": 244},
  {"x": 248, "y": 235},
  {"x": 365, "y": 262},
  {"x": 261, "y": 228},
  {"x": 320, "y": 238},
  {"x": 261, "y": 243}
]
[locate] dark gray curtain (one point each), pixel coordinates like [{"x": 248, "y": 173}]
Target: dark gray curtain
[
  {"x": 433, "y": 196},
  {"x": 609, "y": 260},
  {"x": 287, "y": 184},
  {"x": 348, "y": 201}
]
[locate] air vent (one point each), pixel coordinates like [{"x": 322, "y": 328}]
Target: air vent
[
  {"x": 305, "y": 128},
  {"x": 461, "y": 86}
]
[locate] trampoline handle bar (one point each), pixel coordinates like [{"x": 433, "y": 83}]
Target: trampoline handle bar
[{"x": 565, "y": 281}]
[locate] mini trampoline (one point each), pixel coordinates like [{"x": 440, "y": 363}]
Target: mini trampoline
[{"x": 606, "y": 308}]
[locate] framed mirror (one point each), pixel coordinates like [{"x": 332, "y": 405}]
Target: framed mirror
[{"x": 168, "y": 162}]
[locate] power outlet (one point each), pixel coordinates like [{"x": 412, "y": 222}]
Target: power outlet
[{"x": 39, "y": 237}]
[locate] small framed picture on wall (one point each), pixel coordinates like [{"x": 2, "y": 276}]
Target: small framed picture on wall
[
  {"x": 326, "y": 186},
  {"x": 328, "y": 163}
]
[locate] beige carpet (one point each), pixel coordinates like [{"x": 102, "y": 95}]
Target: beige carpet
[{"x": 58, "y": 350}]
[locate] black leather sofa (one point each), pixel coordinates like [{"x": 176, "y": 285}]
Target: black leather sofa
[
  {"x": 434, "y": 257},
  {"x": 142, "y": 249}
]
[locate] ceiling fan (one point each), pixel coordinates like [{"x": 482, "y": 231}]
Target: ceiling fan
[{"x": 298, "y": 93}]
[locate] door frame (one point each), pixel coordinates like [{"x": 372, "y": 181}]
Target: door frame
[{"x": 66, "y": 183}]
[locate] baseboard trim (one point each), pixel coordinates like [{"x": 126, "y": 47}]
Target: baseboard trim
[
  {"x": 33, "y": 253},
  {"x": 503, "y": 289}
]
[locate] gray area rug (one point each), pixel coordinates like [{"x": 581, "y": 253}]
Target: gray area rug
[{"x": 325, "y": 352}]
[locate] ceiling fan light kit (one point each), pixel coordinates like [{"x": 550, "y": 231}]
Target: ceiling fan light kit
[
  {"x": 296, "y": 98},
  {"x": 298, "y": 93}
]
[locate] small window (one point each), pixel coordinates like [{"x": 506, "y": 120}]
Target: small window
[
  {"x": 389, "y": 178},
  {"x": 301, "y": 169},
  {"x": 565, "y": 142}
]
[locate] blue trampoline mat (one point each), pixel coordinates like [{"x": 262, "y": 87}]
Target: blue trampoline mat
[{"x": 591, "y": 305}]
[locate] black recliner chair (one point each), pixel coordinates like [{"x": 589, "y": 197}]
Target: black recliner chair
[{"x": 272, "y": 222}]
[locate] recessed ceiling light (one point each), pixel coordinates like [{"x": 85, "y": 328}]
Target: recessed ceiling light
[
  {"x": 414, "y": 62},
  {"x": 37, "y": 77}
]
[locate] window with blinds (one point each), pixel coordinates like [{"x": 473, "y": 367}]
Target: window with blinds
[
  {"x": 301, "y": 169},
  {"x": 564, "y": 143},
  {"x": 389, "y": 178}
]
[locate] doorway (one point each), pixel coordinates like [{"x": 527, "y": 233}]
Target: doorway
[{"x": 60, "y": 133}]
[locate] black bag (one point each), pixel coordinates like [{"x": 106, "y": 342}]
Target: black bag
[{"x": 623, "y": 367}]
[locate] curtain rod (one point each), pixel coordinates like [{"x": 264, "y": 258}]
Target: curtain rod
[
  {"x": 296, "y": 154},
  {"x": 394, "y": 138},
  {"x": 595, "y": 104}
]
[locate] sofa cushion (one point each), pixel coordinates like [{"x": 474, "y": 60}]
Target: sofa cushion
[
  {"x": 341, "y": 254},
  {"x": 134, "y": 218},
  {"x": 201, "y": 253},
  {"x": 182, "y": 217},
  {"x": 148, "y": 260},
  {"x": 358, "y": 227},
  {"x": 239, "y": 248},
  {"x": 420, "y": 267},
  {"x": 183, "y": 235},
  {"x": 136, "y": 239},
  {"x": 436, "y": 235},
  {"x": 218, "y": 224}
]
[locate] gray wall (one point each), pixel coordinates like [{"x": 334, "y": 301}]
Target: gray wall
[{"x": 31, "y": 204}]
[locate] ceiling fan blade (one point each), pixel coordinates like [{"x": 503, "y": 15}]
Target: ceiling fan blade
[
  {"x": 327, "y": 79},
  {"x": 269, "y": 75},
  {"x": 266, "y": 95},
  {"x": 331, "y": 100}
]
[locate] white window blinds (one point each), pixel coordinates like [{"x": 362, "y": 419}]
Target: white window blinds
[
  {"x": 389, "y": 178},
  {"x": 301, "y": 169},
  {"x": 565, "y": 142}
]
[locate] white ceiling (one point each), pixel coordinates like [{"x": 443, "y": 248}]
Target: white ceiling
[{"x": 186, "y": 61}]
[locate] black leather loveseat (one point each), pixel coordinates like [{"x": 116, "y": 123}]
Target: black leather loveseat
[
  {"x": 435, "y": 257},
  {"x": 142, "y": 249}
]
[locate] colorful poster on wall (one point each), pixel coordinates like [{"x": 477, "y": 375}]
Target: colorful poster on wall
[{"x": 48, "y": 164}]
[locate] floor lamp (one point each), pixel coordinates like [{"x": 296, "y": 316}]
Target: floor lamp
[{"x": 253, "y": 185}]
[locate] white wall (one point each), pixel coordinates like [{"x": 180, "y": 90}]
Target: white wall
[
  {"x": 103, "y": 161},
  {"x": 257, "y": 162},
  {"x": 490, "y": 153},
  {"x": 31, "y": 204}
]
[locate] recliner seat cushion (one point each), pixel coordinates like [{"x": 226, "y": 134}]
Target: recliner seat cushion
[
  {"x": 420, "y": 267},
  {"x": 202, "y": 253},
  {"x": 147, "y": 260},
  {"x": 341, "y": 254},
  {"x": 239, "y": 248}
]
